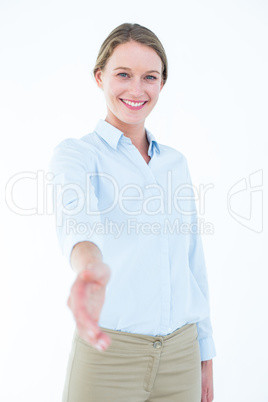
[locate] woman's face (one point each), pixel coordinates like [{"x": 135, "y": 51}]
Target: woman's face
[{"x": 131, "y": 82}]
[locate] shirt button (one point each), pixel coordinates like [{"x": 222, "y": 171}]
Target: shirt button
[{"x": 157, "y": 344}]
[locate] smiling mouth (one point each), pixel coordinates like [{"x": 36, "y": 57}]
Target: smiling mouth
[{"x": 132, "y": 103}]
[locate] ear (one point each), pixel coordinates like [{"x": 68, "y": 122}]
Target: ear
[
  {"x": 98, "y": 78},
  {"x": 161, "y": 85}
]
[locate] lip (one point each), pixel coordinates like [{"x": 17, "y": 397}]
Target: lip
[{"x": 133, "y": 107}]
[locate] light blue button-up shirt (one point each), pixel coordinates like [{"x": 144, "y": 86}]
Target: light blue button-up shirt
[{"x": 143, "y": 218}]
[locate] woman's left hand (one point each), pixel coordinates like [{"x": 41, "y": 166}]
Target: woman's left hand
[{"x": 207, "y": 381}]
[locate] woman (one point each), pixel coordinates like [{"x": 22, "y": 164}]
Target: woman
[{"x": 125, "y": 221}]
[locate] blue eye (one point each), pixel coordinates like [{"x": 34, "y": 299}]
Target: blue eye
[
  {"x": 123, "y": 75},
  {"x": 151, "y": 77}
]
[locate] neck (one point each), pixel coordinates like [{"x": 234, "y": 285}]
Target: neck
[{"x": 136, "y": 132}]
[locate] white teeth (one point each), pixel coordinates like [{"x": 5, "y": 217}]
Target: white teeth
[{"x": 135, "y": 104}]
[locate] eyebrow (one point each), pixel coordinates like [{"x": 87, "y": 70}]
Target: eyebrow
[{"x": 127, "y": 68}]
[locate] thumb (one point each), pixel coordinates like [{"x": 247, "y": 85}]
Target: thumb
[{"x": 98, "y": 272}]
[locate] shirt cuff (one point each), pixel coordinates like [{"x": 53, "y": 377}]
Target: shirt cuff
[{"x": 207, "y": 348}]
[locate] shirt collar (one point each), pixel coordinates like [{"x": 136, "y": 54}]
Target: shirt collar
[
  {"x": 109, "y": 133},
  {"x": 153, "y": 143},
  {"x": 112, "y": 135}
]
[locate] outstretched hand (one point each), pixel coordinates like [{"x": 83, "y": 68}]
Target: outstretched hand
[{"x": 86, "y": 300}]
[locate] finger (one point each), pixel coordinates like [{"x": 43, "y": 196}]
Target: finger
[
  {"x": 98, "y": 272},
  {"x": 99, "y": 340},
  {"x": 103, "y": 342},
  {"x": 210, "y": 395},
  {"x": 88, "y": 326},
  {"x": 85, "y": 322},
  {"x": 204, "y": 396}
]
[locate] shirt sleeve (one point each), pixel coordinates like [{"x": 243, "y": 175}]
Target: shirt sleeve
[
  {"x": 198, "y": 267},
  {"x": 74, "y": 196}
]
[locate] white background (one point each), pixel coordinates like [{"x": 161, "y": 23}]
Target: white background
[{"x": 213, "y": 109}]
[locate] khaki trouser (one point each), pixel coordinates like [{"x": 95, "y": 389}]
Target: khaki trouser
[{"x": 136, "y": 368}]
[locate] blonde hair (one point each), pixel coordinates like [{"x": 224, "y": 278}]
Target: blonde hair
[{"x": 125, "y": 33}]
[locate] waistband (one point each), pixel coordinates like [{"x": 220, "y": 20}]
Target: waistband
[
  {"x": 149, "y": 338},
  {"x": 127, "y": 340}
]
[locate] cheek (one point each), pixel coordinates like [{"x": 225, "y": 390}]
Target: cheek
[
  {"x": 154, "y": 93},
  {"x": 116, "y": 88}
]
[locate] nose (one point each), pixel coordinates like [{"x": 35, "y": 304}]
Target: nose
[{"x": 136, "y": 88}]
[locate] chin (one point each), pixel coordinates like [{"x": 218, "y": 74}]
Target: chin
[
  {"x": 128, "y": 118},
  {"x": 133, "y": 120}
]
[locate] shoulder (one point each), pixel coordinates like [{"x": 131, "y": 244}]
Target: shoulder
[
  {"x": 87, "y": 143},
  {"x": 74, "y": 153}
]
